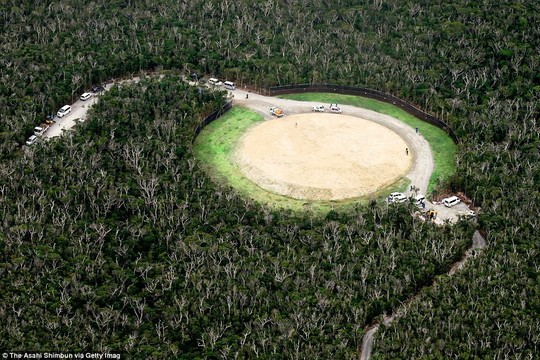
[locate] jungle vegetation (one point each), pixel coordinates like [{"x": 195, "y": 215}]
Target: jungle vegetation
[{"x": 112, "y": 237}]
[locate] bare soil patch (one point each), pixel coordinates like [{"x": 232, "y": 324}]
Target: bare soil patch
[{"x": 322, "y": 156}]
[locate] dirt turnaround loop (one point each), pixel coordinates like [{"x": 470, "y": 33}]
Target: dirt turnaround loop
[{"x": 322, "y": 156}]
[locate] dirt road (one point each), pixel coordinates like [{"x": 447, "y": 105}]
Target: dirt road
[{"x": 478, "y": 244}]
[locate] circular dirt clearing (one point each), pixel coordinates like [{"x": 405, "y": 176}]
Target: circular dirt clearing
[{"x": 322, "y": 156}]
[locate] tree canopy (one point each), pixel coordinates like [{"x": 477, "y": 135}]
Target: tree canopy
[{"x": 112, "y": 237}]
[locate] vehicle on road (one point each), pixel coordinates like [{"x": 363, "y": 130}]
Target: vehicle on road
[
  {"x": 49, "y": 119},
  {"x": 31, "y": 140},
  {"x": 335, "y": 109},
  {"x": 229, "y": 85},
  {"x": 396, "y": 197},
  {"x": 274, "y": 110},
  {"x": 39, "y": 130},
  {"x": 86, "y": 96},
  {"x": 97, "y": 88},
  {"x": 64, "y": 110},
  {"x": 419, "y": 200},
  {"x": 451, "y": 201},
  {"x": 214, "y": 82},
  {"x": 318, "y": 108}
]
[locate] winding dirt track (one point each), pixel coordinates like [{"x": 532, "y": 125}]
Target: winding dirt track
[{"x": 478, "y": 244}]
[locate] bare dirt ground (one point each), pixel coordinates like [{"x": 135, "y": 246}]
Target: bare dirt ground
[
  {"x": 322, "y": 156},
  {"x": 419, "y": 149}
]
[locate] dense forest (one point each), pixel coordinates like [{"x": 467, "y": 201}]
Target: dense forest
[{"x": 112, "y": 237}]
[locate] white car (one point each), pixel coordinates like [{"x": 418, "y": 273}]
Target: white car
[
  {"x": 335, "y": 109},
  {"x": 397, "y": 197},
  {"x": 318, "y": 108},
  {"x": 64, "y": 110},
  {"x": 38, "y": 131},
  {"x": 31, "y": 140},
  {"x": 419, "y": 200},
  {"x": 86, "y": 96},
  {"x": 214, "y": 82},
  {"x": 451, "y": 201}
]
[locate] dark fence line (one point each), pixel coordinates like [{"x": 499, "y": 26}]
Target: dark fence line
[
  {"x": 369, "y": 93},
  {"x": 213, "y": 116}
]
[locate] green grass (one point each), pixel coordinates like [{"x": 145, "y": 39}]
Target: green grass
[
  {"x": 442, "y": 146},
  {"x": 215, "y": 147}
]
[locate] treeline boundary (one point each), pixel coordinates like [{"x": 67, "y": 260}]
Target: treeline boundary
[{"x": 213, "y": 116}]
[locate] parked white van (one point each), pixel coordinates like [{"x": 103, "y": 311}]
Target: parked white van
[
  {"x": 229, "y": 85},
  {"x": 214, "y": 82},
  {"x": 451, "y": 201},
  {"x": 64, "y": 110},
  {"x": 31, "y": 140}
]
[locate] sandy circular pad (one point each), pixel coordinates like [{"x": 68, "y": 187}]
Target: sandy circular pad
[{"x": 322, "y": 156}]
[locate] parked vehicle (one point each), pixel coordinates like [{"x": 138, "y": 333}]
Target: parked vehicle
[
  {"x": 318, "y": 108},
  {"x": 229, "y": 85},
  {"x": 214, "y": 82},
  {"x": 97, "y": 88},
  {"x": 31, "y": 140},
  {"x": 49, "y": 119},
  {"x": 64, "y": 110},
  {"x": 39, "y": 130},
  {"x": 274, "y": 110},
  {"x": 451, "y": 201},
  {"x": 419, "y": 200},
  {"x": 86, "y": 96},
  {"x": 397, "y": 197},
  {"x": 335, "y": 109}
]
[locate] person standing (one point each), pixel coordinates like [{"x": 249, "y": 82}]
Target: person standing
[{"x": 407, "y": 151}]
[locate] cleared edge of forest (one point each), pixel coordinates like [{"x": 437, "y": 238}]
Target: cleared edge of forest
[
  {"x": 215, "y": 148},
  {"x": 443, "y": 148}
]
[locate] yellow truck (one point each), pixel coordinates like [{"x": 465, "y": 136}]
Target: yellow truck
[{"x": 276, "y": 111}]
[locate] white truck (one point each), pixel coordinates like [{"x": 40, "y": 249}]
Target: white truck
[
  {"x": 40, "y": 130},
  {"x": 274, "y": 110}
]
